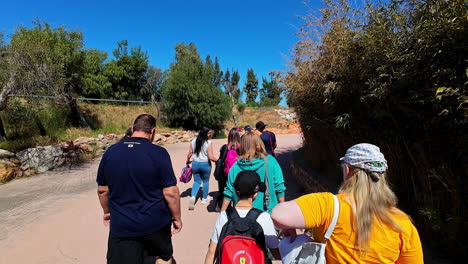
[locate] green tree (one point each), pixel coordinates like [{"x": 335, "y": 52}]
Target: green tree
[
  {"x": 127, "y": 72},
  {"x": 44, "y": 60},
  {"x": 270, "y": 94},
  {"x": 95, "y": 83},
  {"x": 190, "y": 100},
  {"x": 217, "y": 74},
  {"x": 251, "y": 87}
]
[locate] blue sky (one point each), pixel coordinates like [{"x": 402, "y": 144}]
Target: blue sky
[{"x": 243, "y": 34}]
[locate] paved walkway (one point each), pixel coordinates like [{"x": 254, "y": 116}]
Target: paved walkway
[{"x": 56, "y": 217}]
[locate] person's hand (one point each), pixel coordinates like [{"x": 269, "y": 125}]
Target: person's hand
[
  {"x": 177, "y": 224},
  {"x": 106, "y": 219},
  {"x": 288, "y": 233}
]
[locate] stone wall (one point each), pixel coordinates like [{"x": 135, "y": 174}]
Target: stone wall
[{"x": 43, "y": 158}]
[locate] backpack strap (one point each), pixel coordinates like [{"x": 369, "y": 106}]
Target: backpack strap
[
  {"x": 336, "y": 213},
  {"x": 253, "y": 214},
  {"x": 266, "y": 198},
  {"x": 232, "y": 213}
]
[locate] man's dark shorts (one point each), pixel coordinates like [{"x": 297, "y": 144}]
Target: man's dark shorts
[{"x": 139, "y": 250}]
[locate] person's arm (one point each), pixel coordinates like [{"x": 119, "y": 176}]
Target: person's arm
[
  {"x": 103, "y": 194},
  {"x": 209, "y": 258},
  {"x": 103, "y": 190},
  {"x": 172, "y": 197},
  {"x": 189, "y": 154},
  {"x": 225, "y": 205},
  {"x": 288, "y": 215},
  {"x": 229, "y": 189},
  {"x": 210, "y": 153},
  {"x": 278, "y": 180}
]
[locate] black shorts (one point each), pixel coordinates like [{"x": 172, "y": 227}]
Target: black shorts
[{"x": 140, "y": 250}]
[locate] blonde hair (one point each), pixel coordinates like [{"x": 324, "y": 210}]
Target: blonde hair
[
  {"x": 370, "y": 199},
  {"x": 251, "y": 147}
]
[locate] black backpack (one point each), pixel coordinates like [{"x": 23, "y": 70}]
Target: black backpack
[
  {"x": 242, "y": 238},
  {"x": 219, "y": 165}
]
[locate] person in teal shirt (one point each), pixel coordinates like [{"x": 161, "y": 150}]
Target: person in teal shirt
[{"x": 252, "y": 157}]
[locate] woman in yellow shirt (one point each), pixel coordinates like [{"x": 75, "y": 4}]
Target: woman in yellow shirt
[{"x": 370, "y": 228}]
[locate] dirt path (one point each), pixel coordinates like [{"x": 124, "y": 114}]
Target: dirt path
[{"x": 56, "y": 218}]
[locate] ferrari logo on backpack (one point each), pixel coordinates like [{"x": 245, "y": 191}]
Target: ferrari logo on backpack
[{"x": 242, "y": 261}]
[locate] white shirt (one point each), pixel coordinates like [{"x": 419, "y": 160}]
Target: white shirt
[
  {"x": 203, "y": 155},
  {"x": 263, "y": 219}
]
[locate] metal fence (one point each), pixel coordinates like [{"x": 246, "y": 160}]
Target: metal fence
[{"x": 82, "y": 99}]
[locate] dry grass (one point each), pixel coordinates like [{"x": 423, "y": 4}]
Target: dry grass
[
  {"x": 106, "y": 119},
  {"x": 251, "y": 116}
]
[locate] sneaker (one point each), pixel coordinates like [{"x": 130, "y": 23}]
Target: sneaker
[
  {"x": 191, "y": 205},
  {"x": 205, "y": 201}
]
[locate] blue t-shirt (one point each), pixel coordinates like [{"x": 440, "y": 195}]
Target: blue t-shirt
[
  {"x": 136, "y": 171},
  {"x": 269, "y": 139}
]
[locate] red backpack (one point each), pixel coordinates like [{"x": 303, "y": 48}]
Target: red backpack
[
  {"x": 242, "y": 239},
  {"x": 231, "y": 158}
]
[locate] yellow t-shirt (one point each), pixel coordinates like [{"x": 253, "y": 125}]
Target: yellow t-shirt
[{"x": 386, "y": 244}]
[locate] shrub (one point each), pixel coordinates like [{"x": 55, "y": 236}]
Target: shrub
[{"x": 394, "y": 75}]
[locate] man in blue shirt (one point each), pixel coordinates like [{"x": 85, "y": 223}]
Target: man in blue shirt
[
  {"x": 268, "y": 138},
  {"x": 138, "y": 193}
]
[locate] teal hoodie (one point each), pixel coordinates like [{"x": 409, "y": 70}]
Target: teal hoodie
[{"x": 275, "y": 181}]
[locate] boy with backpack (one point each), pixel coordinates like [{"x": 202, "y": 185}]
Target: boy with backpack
[{"x": 243, "y": 234}]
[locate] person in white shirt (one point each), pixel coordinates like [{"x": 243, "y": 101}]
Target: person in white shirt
[
  {"x": 247, "y": 185},
  {"x": 201, "y": 153}
]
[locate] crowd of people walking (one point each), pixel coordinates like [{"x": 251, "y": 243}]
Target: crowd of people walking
[{"x": 138, "y": 192}]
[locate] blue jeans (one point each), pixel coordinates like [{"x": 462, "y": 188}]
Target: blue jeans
[{"x": 201, "y": 172}]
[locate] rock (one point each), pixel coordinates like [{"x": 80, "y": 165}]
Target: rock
[
  {"x": 8, "y": 170},
  {"x": 111, "y": 137},
  {"x": 41, "y": 159},
  {"x": 100, "y": 145},
  {"x": 119, "y": 137},
  {"x": 170, "y": 140},
  {"x": 100, "y": 136},
  {"x": 185, "y": 139},
  {"x": 81, "y": 140},
  {"x": 166, "y": 134},
  {"x": 158, "y": 138},
  {"x": 6, "y": 154},
  {"x": 86, "y": 148}
]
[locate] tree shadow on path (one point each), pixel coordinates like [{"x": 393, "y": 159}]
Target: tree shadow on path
[{"x": 301, "y": 179}]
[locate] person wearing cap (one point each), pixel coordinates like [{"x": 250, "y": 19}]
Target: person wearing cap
[
  {"x": 268, "y": 138},
  {"x": 370, "y": 228},
  {"x": 253, "y": 156},
  {"x": 248, "y": 128},
  {"x": 247, "y": 186}
]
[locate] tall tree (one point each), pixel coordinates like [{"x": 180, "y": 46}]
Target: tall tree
[
  {"x": 251, "y": 87},
  {"x": 152, "y": 90},
  {"x": 190, "y": 100},
  {"x": 127, "y": 71},
  {"x": 231, "y": 88},
  {"x": 217, "y": 74},
  {"x": 270, "y": 94},
  {"x": 235, "y": 84},
  {"x": 95, "y": 83}
]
